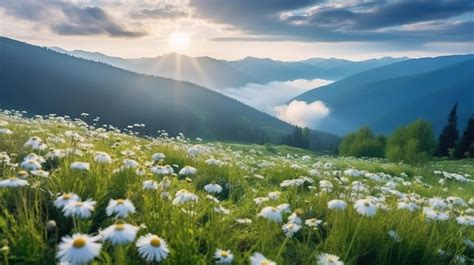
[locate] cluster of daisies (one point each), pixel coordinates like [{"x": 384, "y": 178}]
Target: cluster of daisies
[{"x": 366, "y": 193}]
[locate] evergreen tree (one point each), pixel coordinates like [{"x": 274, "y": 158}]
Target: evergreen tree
[
  {"x": 465, "y": 146},
  {"x": 449, "y": 136}
]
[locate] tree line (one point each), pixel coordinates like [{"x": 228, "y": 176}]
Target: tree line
[{"x": 413, "y": 143}]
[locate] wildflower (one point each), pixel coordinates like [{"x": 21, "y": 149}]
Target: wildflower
[
  {"x": 130, "y": 163},
  {"x": 290, "y": 229},
  {"x": 274, "y": 195},
  {"x": 394, "y": 235},
  {"x": 79, "y": 209},
  {"x": 35, "y": 143},
  {"x": 465, "y": 220},
  {"x": 40, "y": 173},
  {"x": 313, "y": 222},
  {"x": 271, "y": 213},
  {"x": 243, "y": 221},
  {"x": 259, "y": 259},
  {"x": 352, "y": 173},
  {"x": 78, "y": 249},
  {"x": 102, "y": 158},
  {"x": 51, "y": 225},
  {"x": 158, "y": 156},
  {"x": 30, "y": 164},
  {"x": 221, "y": 209},
  {"x": 410, "y": 206},
  {"x": 435, "y": 215},
  {"x": 152, "y": 248},
  {"x": 337, "y": 205},
  {"x": 213, "y": 188},
  {"x": 365, "y": 207},
  {"x": 187, "y": 171},
  {"x": 13, "y": 182},
  {"x": 120, "y": 233},
  {"x": 326, "y": 186},
  {"x": 284, "y": 208},
  {"x": 80, "y": 166},
  {"x": 295, "y": 217},
  {"x": 64, "y": 199},
  {"x": 183, "y": 196},
  {"x": 213, "y": 162},
  {"x": 223, "y": 256},
  {"x": 150, "y": 185},
  {"x": 161, "y": 170},
  {"x": 5, "y": 131},
  {"x": 329, "y": 259},
  {"x": 165, "y": 183},
  {"x": 120, "y": 207},
  {"x": 260, "y": 200}
]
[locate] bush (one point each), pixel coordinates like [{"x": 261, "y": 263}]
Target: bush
[
  {"x": 412, "y": 144},
  {"x": 362, "y": 143}
]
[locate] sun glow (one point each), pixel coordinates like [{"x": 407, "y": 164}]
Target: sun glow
[{"x": 179, "y": 41}]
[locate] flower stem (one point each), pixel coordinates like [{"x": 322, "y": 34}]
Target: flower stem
[{"x": 353, "y": 239}]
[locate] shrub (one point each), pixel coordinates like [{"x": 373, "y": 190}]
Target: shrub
[
  {"x": 362, "y": 143},
  {"x": 412, "y": 144}
]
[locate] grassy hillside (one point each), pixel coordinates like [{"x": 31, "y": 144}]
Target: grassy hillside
[
  {"x": 41, "y": 81},
  {"x": 376, "y": 227},
  {"x": 388, "y": 97}
]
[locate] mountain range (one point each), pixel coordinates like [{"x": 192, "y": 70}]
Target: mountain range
[
  {"x": 41, "y": 81},
  {"x": 393, "y": 95},
  {"x": 220, "y": 74}
]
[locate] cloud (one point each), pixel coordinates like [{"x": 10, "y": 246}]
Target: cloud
[
  {"x": 303, "y": 114},
  {"x": 163, "y": 12},
  {"x": 334, "y": 21},
  {"x": 266, "y": 96},
  {"x": 65, "y": 18}
]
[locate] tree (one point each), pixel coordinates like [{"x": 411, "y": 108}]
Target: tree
[
  {"x": 299, "y": 138},
  {"x": 362, "y": 143},
  {"x": 449, "y": 136},
  {"x": 412, "y": 144},
  {"x": 465, "y": 147}
]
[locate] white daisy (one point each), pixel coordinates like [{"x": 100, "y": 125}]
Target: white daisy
[
  {"x": 150, "y": 185},
  {"x": 183, "y": 196},
  {"x": 30, "y": 164},
  {"x": 152, "y": 248},
  {"x": 64, "y": 199},
  {"x": 40, "y": 173},
  {"x": 120, "y": 207},
  {"x": 337, "y": 205},
  {"x": 102, "y": 158},
  {"x": 120, "y": 233},
  {"x": 187, "y": 171},
  {"x": 78, "y": 249},
  {"x": 80, "y": 166},
  {"x": 259, "y": 259},
  {"x": 365, "y": 207},
  {"x": 5, "y": 131},
  {"x": 158, "y": 156},
  {"x": 290, "y": 229},
  {"x": 13, "y": 182},
  {"x": 313, "y": 222},
  {"x": 213, "y": 188},
  {"x": 271, "y": 213},
  {"x": 79, "y": 209},
  {"x": 329, "y": 259},
  {"x": 223, "y": 256}
]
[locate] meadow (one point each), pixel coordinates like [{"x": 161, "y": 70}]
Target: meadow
[{"x": 76, "y": 194}]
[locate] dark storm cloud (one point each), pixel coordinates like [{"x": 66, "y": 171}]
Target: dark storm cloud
[
  {"x": 68, "y": 19},
  {"x": 360, "y": 21},
  {"x": 164, "y": 12}
]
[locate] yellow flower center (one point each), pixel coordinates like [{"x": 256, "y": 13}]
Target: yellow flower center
[
  {"x": 79, "y": 204},
  {"x": 155, "y": 241},
  {"x": 67, "y": 196},
  {"x": 290, "y": 225},
  {"x": 13, "y": 178},
  {"x": 224, "y": 254},
  {"x": 265, "y": 262},
  {"x": 119, "y": 227},
  {"x": 79, "y": 242},
  {"x": 120, "y": 201},
  {"x": 274, "y": 209}
]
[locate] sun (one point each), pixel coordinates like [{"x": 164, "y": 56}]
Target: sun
[{"x": 179, "y": 41}]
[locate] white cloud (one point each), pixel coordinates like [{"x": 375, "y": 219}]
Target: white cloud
[
  {"x": 302, "y": 114},
  {"x": 266, "y": 97}
]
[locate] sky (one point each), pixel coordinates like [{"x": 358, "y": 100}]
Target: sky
[{"x": 233, "y": 29}]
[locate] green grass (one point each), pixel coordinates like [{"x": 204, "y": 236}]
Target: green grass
[{"x": 193, "y": 239}]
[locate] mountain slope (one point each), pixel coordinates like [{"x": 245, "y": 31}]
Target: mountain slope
[
  {"x": 42, "y": 81},
  {"x": 387, "y": 97},
  {"x": 220, "y": 74}
]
